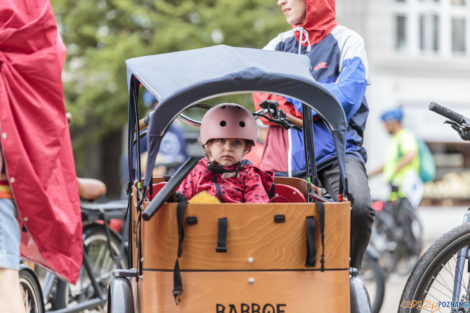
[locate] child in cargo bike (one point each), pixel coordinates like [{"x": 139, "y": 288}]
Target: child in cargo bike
[{"x": 228, "y": 132}]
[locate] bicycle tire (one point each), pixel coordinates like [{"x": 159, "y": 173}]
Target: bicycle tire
[
  {"x": 94, "y": 242},
  {"x": 32, "y": 295},
  {"x": 373, "y": 276},
  {"x": 420, "y": 286}
]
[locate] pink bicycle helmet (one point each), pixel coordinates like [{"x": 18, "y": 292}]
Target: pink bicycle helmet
[{"x": 228, "y": 120}]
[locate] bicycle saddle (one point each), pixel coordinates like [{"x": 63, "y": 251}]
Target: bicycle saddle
[{"x": 90, "y": 188}]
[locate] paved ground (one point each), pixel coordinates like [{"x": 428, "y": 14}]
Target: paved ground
[{"x": 436, "y": 221}]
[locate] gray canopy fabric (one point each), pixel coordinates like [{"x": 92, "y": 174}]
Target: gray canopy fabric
[{"x": 181, "y": 79}]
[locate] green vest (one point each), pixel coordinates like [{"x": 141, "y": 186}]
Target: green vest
[{"x": 402, "y": 142}]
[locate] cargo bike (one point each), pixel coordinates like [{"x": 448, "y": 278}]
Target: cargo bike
[{"x": 291, "y": 255}]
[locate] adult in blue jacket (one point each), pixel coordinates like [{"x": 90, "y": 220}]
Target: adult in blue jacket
[{"x": 339, "y": 62}]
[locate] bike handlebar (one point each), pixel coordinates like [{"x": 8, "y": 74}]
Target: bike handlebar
[
  {"x": 446, "y": 112},
  {"x": 270, "y": 111},
  {"x": 458, "y": 122}
]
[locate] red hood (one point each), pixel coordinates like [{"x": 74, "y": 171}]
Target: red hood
[
  {"x": 35, "y": 136},
  {"x": 320, "y": 19}
]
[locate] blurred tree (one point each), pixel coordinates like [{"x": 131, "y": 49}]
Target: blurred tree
[{"x": 101, "y": 34}]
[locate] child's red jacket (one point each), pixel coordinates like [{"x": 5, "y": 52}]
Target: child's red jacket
[{"x": 250, "y": 186}]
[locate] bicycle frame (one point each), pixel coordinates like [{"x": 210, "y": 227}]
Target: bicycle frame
[
  {"x": 92, "y": 213},
  {"x": 98, "y": 298}
]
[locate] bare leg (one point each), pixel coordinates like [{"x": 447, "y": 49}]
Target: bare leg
[{"x": 11, "y": 297}]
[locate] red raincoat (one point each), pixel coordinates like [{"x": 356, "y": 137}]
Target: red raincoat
[{"x": 35, "y": 137}]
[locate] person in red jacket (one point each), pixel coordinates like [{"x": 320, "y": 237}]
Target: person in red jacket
[
  {"x": 228, "y": 132},
  {"x": 38, "y": 182}
]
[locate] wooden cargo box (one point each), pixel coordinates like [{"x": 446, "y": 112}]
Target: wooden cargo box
[{"x": 263, "y": 269}]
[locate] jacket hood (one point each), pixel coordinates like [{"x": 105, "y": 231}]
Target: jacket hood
[{"x": 320, "y": 19}]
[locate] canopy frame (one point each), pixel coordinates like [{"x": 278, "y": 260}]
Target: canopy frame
[{"x": 243, "y": 76}]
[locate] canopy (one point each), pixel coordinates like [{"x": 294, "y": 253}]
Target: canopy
[{"x": 181, "y": 79}]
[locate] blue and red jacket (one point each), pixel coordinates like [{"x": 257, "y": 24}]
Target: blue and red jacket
[{"x": 339, "y": 62}]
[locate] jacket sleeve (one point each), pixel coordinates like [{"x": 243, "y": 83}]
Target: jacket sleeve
[
  {"x": 349, "y": 87},
  {"x": 284, "y": 104},
  {"x": 187, "y": 187},
  {"x": 257, "y": 183}
]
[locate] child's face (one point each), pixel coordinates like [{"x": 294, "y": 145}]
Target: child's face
[{"x": 227, "y": 152}]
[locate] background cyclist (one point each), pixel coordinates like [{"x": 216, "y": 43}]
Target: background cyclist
[{"x": 401, "y": 167}]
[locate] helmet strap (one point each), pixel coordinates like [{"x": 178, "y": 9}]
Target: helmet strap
[{"x": 220, "y": 170}]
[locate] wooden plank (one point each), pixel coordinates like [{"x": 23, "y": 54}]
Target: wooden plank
[
  {"x": 251, "y": 233},
  {"x": 230, "y": 292}
]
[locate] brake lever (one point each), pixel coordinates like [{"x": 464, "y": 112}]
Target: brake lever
[
  {"x": 286, "y": 123},
  {"x": 272, "y": 107},
  {"x": 462, "y": 129},
  {"x": 261, "y": 113},
  {"x": 279, "y": 118},
  {"x": 291, "y": 125}
]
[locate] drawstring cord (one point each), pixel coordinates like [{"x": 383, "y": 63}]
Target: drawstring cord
[{"x": 303, "y": 38}]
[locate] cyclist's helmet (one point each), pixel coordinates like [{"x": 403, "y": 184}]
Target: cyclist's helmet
[
  {"x": 395, "y": 114},
  {"x": 228, "y": 120}
]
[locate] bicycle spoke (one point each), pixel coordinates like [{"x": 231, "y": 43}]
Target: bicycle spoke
[
  {"x": 27, "y": 301},
  {"x": 102, "y": 250},
  {"x": 101, "y": 266}
]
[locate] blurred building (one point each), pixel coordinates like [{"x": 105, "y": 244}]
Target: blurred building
[{"x": 419, "y": 51}]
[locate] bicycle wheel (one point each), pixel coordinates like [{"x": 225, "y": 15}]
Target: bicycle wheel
[
  {"x": 96, "y": 248},
  {"x": 374, "y": 278},
  {"x": 31, "y": 292},
  {"x": 432, "y": 280}
]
